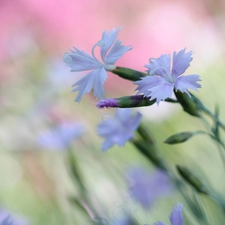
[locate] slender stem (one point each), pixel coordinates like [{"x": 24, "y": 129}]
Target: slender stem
[
  {"x": 209, "y": 113},
  {"x": 216, "y": 139}
]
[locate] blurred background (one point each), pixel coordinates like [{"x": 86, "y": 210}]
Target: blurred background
[{"x": 35, "y": 87}]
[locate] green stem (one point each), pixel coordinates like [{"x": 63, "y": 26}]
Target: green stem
[{"x": 209, "y": 113}]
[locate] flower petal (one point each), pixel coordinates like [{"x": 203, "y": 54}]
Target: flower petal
[
  {"x": 176, "y": 217},
  {"x": 80, "y": 61},
  {"x": 108, "y": 39},
  {"x": 155, "y": 87},
  {"x": 146, "y": 83},
  {"x": 162, "y": 91},
  {"x": 181, "y": 61},
  {"x": 116, "y": 52},
  {"x": 160, "y": 223},
  {"x": 95, "y": 79},
  {"x": 184, "y": 83},
  {"x": 159, "y": 66}
]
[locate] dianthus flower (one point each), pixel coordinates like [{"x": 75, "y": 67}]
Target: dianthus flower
[
  {"x": 162, "y": 80},
  {"x": 110, "y": 50},
  {"x": 119, "y": 129},
  {"x": 146, "y": 187},
  {"x": 176, "y": 217},
  {"x": 60, "y": 136},
  {"x": 7, "y": 219}
]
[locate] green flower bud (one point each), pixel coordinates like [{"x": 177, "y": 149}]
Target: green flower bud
[
  {"x": 179, "y": 138},
  {"x": 128, "y": 74},
  {"x": 192, "y": 180},
  {"x": 134, "y": 101},
  {"x": 125, "y": 102},
  {"x": 191, "y": 105}
]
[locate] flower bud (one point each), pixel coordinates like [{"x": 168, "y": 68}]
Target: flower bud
[
  {"x": 192, "y": 180},
  {"x": 128, "y": 74},
  {"x": 179, "y": 138},
  {"x": 191, "y": 105},
  {"x": 125, "y": 102}
]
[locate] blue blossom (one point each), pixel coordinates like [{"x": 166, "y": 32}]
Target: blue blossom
[
  {"x": 176, "y": 217},
  {"x": 145, "y": 187},
  {"x": 124, "y": 221},
  {"x": 162, "y": 80},
  {"x": 60, "y": 136},
  {"x": 110, "y": 50},
  {"x": 119, "y": 129},
  {"x": 7, "y": 219}
]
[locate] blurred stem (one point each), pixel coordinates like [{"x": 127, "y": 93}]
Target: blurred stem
[
  {"x": 148, "y": 148},
  {"x": 73, "y": 164},
  {"x": 218, "y": 141},
  {"x": 145, "y": 134},
  {"x": 83, "y": 201},
  {"x": 214, "y": 117}
]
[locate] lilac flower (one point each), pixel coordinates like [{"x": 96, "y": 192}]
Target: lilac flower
[
  {"x": 109, "y": 102},
  {"x": 162, "y": 81},
  {"x": 60, "y": 136},
  {"x": 124, "y": 221},
  {"x": 110, "y": 50},
  {"x": 176, "y": 217},
  {"x": 7, "y": 219},
  {"x": 119, "y": 129},
  {"x": 146, "y": 187}
]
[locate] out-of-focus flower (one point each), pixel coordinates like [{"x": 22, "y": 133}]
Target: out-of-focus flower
[
  {"x": 176, "y": 217},
  {"x": 60, "y": 136},
  {"x": 162, "y": 81},
  {"x": 145, "y": 187},
  {"x": 110, "y": 50},
  {"x": 7, "y": 219},
  {"x": 124, "y": 221},
  {"x": 119, "y": 129}
]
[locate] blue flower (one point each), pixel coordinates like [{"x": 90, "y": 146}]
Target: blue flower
[
  {"x": 124, "y": 221},
  {"x": 60, "y": 136},
  {"x": 119, "y": 129},
  {"x": 145, "y": 187},
  {"x": 176, "y": 217},
  {"x": 162, "y": 81},
  {"x": 110, "y": 50},
  {"x": 7, "y": 219}
]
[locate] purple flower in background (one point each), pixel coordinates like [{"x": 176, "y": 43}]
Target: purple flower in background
[
  {"x": 124, "y": 221},
  {"x": 162, "y": 81},
  {"x": 176, "y": 217},
  {"x": 60, "y": 136},
  {"x": 119, "y": 129},
  {"x": 110, "y": 50},
  {"x": 7, "y": 219},
  {"x": 145, "y": 187}
]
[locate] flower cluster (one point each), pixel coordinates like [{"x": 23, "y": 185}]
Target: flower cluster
[
  {"x": 165, "y": 76},
  {"x": 158, "y": 84}
]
